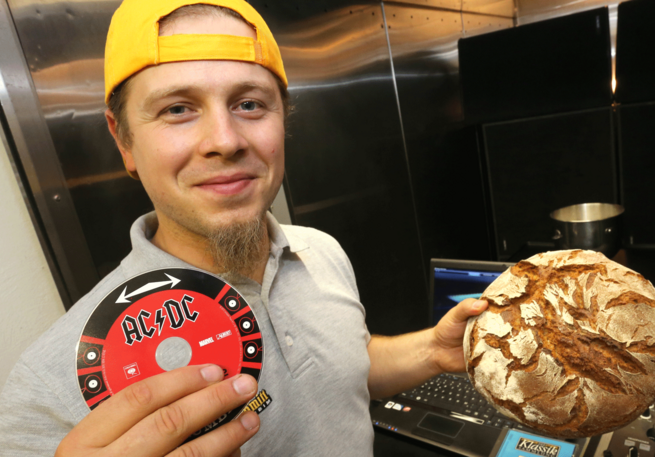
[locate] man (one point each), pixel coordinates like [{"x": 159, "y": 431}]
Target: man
[{"x": 197, "y": 109}]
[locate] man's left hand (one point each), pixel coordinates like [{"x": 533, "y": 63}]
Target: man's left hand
[{"x": 449, "y": 335}]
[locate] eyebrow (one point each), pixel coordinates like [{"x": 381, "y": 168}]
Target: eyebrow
[
  {"x": 157, "y": 95},
  {"x": 241, "y": 88}
]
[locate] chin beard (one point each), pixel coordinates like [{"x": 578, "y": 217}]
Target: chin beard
[{"x": 237, "y": 248}]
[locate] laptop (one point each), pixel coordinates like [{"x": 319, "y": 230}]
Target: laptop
[{"x": 446, "y": 411}]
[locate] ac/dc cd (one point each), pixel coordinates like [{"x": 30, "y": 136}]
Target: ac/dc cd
[{"x": 165, "y": 319}]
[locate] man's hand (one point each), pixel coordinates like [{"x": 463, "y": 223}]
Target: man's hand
[
  {"x": 154, "y": 416},
  {"x": 449, "y": 335}
]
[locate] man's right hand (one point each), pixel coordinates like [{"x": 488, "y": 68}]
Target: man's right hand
[{"x": 154, "y": 416}]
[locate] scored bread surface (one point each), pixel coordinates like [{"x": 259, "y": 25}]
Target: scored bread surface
[{"x": 567, "y": 344}]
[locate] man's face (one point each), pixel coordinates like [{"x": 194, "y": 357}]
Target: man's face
[{"x": 207, "y": 136}]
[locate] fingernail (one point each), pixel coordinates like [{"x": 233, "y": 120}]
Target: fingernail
[
  {"x": 249, "y": 421},
  {"x": 212, "y": 373},
  {"x": 243, "y": 385},
  {"x": 477, "y": 305}
]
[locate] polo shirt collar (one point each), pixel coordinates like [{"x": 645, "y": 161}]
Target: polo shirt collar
[
  {"x": 280, "y": 240},
  {"x": 150, "y": 257},
  {"x": 146, "y": 256}
]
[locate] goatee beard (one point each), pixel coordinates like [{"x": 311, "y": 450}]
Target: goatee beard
[{"x": 237, "y": 248}]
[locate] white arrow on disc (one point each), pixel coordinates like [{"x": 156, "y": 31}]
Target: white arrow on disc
[{"x": 150, "y": 286}]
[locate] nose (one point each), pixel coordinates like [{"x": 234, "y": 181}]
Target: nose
[{"x": 221, "y": 135}]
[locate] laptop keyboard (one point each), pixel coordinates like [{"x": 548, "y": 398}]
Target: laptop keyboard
[{"x": 455, "y": 393}]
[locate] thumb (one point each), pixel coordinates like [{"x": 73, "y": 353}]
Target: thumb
[{"x": 468, "y": 308}]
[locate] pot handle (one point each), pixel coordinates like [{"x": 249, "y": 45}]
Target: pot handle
[{"x": 558, "y": 235}]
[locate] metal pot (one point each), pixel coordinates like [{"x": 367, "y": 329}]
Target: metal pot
[{"x": 593, "y": 226}]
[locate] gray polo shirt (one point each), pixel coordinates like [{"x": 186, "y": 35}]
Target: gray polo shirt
[{"x": 315, "y": 367}]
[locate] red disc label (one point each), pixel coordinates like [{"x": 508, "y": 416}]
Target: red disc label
[{"x": 162, "y": 320}]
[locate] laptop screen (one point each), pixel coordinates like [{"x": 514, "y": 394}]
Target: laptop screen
[{"x": 453, "y": 281}]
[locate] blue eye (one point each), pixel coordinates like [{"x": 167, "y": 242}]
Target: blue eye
[
  {"x": 249, "y": 106},
  {"x": 177, "y": 110}
]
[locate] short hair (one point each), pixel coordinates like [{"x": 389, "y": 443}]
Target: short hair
[{"x": 119, "y": 95}]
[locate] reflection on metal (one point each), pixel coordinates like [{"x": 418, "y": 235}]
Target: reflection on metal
[
  {"x": 332, "y": 45},
  {"x": 63, "y": 241},
  {"x": 424, "y": 48},
  {"x": 423, "y": 44},
  {"x": 402, "y": 132},
  {"x": 504, "y": 8},
  {"x": 93, "y": 179},
  {"x": 475, "y": 24},
  {"x": 63, "y": 45},
  {"x": 539, "y": 10},
  {"x": 338, "y": 67},
  {"x": 429, "y": 32},
  {"x": 331, "y": 202},
  {"x": 455, "y": 5},
  {"x": 614, "y": 20}
]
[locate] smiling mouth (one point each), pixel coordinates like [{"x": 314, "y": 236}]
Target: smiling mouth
[{"x": 228, "y": 185}]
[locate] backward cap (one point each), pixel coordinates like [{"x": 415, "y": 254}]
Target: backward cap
[{"x": 133, "y": 40}]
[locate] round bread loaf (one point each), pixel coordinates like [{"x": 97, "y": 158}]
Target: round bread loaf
[{"x": 567, "y": 345}]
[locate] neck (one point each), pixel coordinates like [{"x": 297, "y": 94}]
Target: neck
[{"x": 196, "y": 250}]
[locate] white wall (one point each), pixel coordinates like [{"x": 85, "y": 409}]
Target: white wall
[{"x": 29, "y": 301}]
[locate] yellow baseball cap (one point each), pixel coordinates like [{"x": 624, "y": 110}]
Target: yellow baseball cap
[{"x": 133, "y": 41}]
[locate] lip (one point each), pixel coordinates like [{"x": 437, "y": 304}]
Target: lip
[{"x": 228, "y": 184}]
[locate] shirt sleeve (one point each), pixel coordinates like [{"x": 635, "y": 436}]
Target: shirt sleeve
[{"x": 33, "y": 420}]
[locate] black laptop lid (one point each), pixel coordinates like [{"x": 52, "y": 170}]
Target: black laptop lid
[{"x": 451, "y": 281}]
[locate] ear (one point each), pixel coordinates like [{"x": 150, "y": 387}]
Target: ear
[{"x": 126, "y": 153}]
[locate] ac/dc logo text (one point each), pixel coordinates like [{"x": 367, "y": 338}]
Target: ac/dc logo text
[{"x": 178, "y": 313}]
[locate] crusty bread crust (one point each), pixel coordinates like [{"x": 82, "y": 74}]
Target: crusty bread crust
[{"x": 567, "y": 345}]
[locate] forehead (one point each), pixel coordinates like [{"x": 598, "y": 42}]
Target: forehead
[
  {"x": 208, "y": 76},
  {"x": 203, "y": 79}
]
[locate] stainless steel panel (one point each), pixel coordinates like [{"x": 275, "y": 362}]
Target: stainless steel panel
[
  {"x": 63, "y": 44},
  {"x": 455, "y": 5},
  {"x": 424, "y": 49},
  {"x": 346, "y": 168},
  {"x": 62, "y": 235},
  {"x": 505, "y": 8},
  {"x": 442, "y": 151},
  {"x": 476, "y": 24},
  {"x": 539, "y": 10}
]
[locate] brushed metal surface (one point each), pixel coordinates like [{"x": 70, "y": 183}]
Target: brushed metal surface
[
  {"x": 63, "y": 44},
  {"x": 538, "y": 10},
  {"x": 477, "y": 24},
  {"x": 455, "y": 5},
  {"x": 57, "y": 223},
  {"x": 424, "y": 49},
  {"x": 442, "y": 150},
  {"x": 505, "y": 8}
]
